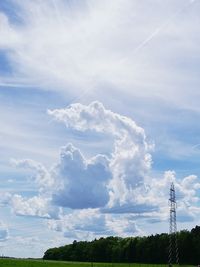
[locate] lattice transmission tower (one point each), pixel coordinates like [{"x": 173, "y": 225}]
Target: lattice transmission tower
[{"x": 173, "y": 245}]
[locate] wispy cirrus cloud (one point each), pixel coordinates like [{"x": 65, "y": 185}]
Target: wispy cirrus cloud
[{"x": 118, "y": 44}]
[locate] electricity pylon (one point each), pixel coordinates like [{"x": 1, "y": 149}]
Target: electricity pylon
[{"x": 173, "y": 245}]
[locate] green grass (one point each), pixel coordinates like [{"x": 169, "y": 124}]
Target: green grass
[{"x": 41, "y": 263}]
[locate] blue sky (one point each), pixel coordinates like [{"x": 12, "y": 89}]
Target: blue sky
[{"x": 99, "y": 113}]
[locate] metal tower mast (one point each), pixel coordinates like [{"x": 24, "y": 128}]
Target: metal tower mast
[{"x": 173, "y": 246}]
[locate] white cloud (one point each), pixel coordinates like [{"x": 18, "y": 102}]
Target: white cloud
[
  {"x": 187, "y": 195},
  {"x": 82, "y": 183},
  {"x": 39, "y": 205},
  {"x": 112, "y": 186},
  {"x": 90, "y": 223},
  {"x": 41, "y": 177},
  {"x": 87, "y": 220},
  {"x": 123, "y": 226},
  {"x": 36, "y": 206},
  {"x": 113, "y": 182},
  {"x": 74, "y": 182},
  {"x": 130, "y": 160},
  {"x": 117, "y": 43}
]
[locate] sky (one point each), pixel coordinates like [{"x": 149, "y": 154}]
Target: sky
[{"x": 99, "y": 114}]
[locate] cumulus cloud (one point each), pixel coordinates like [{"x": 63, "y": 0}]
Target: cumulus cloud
[
  {"x": 130, "y": 159},
  {"x": 41, "y": 177},
  {"x": 74, "y": 182},
  {"x": 132, "y": 188},
  {"x": 39, "y": 205},
  {"x": 187, "y": 194},
  {"x": 113, "y": 183},
  {"x": 123, "y": 225},
  {"x": 109, "y": 192},
  {"x": 82, "y": 183},
  {"x": 87, "y": 220},
  {"x": 36, "y": 206},
  {"x": 90, "y": 223}
]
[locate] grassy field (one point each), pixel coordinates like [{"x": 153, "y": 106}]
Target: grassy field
[{"x": 40, "y": 263}]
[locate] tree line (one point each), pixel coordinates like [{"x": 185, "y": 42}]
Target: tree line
[{"x": 147, "y": 249}]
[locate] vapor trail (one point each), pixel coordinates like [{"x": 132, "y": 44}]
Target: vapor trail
[{"x": 162, "y": 26}]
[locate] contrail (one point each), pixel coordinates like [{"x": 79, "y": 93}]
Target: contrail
[
  {"x": 162, "y": 26},
  {"x": 148, "y": 39}
]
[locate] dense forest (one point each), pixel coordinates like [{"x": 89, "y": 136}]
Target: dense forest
[{"x": 150, "y": 249}]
